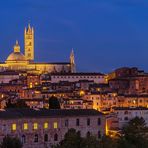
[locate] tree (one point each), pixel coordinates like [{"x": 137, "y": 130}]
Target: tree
[
  {"x": 108, "y": 142},
  {"x": 73, "y": 139},
  {"x": 135, "y": 134},
  {"x": 90, "y": 142},
  {"x": 18, "y": 104},
  {"x": 11, "y": 142},
  {"x": 54, "y": 103}
]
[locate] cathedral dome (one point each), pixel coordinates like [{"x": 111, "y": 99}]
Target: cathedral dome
[{"x": 16, "y": 56}]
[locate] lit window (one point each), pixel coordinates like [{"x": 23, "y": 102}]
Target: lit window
[
  {"x": 25, "y": 126},
  {"x": 55, "y": 125},
  {"x": 45, "y": 125},
  {"x": 30, "y": 85},
  {"x": 14, "y": 127},
  {"x": 35, "y": 126}
]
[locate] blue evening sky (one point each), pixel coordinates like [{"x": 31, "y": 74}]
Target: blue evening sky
[{"x": 105, "y": 34}]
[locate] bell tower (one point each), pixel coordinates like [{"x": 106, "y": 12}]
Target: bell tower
[
  {"x": 29, "y": 43},
  {"x": 72, "y": 62}
]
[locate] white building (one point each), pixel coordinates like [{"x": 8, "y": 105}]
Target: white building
[
  {"x": 75, "y": 77},
  {"x": 125, "y": 114}
]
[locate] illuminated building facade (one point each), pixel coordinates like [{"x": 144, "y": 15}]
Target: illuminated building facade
[
  {"x": 19, "y": 61},
  {"x": 44, "y": 128}
]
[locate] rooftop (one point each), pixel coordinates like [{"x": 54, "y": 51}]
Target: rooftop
[
  {"x": 44, "y": 113},
  {"x": 77, "y": 74},
  {"x": 130, "y": 108}
]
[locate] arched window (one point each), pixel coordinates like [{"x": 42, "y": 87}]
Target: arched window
[
  {"x": 88, "y": 122},
  {"x": 45, "y": 137},
  {"x": 126, "y": 118},
  {"x": 79, "y": 133},
  {"x": 126, "y": 112},
  {"x": 36, "y": 138},
  {"x": 23, "y": 139},
  {"x": 88, "y": 134},
  {"x": 56, "y": 137},
  {"x": 99, "y": 134}
]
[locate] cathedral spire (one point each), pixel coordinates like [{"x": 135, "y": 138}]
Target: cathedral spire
[
  {"x": 72, "y": 62},
  {"x": 16, "y": 47},
  {"x": 29, "y": 27}
]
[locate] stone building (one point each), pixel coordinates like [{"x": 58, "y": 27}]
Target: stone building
[
  {"x": 75, "y": 77},
  {"x": 43, "y": 128},
  {"x": 19, "y": 61},
  {"x": 134, "y": 100},
  {"x": 125, "y": 114}
]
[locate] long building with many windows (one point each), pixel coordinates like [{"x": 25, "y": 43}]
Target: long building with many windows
[{"x": 44, "y": 128}]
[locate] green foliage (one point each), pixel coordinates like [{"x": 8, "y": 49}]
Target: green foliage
[
  {"x": 54, "y": 103},
  {"x": 90, "y": 142},
  {"x": 10, "y": 142},
  {"x": 18, "y": 104},
  {"x": 108, "y": 142},
  {"x": 73, "y": 139},
  {"x": 135, "y": 134}
]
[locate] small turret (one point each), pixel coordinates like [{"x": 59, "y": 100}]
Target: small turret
[
  {"x": 16, "y": 47},
  {"x": 72, "y": 62}
]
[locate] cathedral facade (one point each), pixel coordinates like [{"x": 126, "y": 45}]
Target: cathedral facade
[{"x": 25, "y": 62}]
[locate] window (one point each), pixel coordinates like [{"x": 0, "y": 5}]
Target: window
[
  {"x": 14, "y": 127},
  {"x": 99, "y": 121},
  {"x": 126, "y": 118},
  {"x": 55, "y": 125},
  {"x": 29, "y": 54},
  {"x": 56, "y": 137},
  {"x": 79, "y": 133},
  {"x": 36, "y": 139},
  {"x": 25, "y": 126},
  {"x": 88, "y": 134},
  {"x": 126, "y": 112},
  {"x": 30, "y": 85},
  {"x": 66, "y": 123},
  {"x": 35, "y": 126},
  {"x": 99, "y": 134},
  {"x": 45, "y": 125},
  {"x": 45, "y": 137},
  {"x": 23, "y": 139},
  {"x": 77, "y": 122},
  {"x": 88, "y": 122}
]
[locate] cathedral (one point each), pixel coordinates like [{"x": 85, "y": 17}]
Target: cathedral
[{"x": 25, "y": 62}]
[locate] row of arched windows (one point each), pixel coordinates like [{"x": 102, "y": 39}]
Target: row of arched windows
[
  {"x": 36, "y": 138},
  {"x": 46, "y": 137}
]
